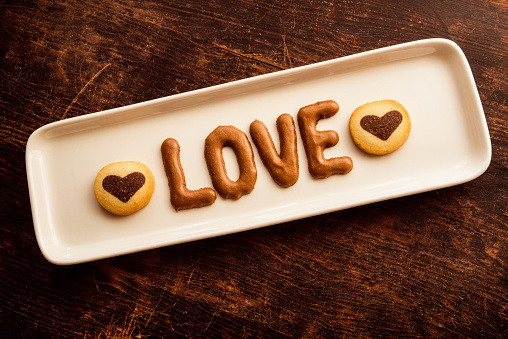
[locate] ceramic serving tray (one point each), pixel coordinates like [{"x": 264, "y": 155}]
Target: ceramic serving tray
[{"x": 449, "y": 144}]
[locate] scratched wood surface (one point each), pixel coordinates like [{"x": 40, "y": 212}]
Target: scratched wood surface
[{"x": 428, "y": 265}]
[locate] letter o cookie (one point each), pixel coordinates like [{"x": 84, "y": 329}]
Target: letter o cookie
[
  {"x": 380, "y": 127},
  {"x": 230, "y": 136},
  {"x": 124, "y": 187}
]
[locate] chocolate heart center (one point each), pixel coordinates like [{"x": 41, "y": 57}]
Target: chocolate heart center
[
  {"x": 382, "y": 127},
  {"x": 123, "y": 188}
]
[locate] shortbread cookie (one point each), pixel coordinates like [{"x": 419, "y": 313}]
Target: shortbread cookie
[
  {"x": 124, "y": 187},
  {"x": 380, "y": 127}
]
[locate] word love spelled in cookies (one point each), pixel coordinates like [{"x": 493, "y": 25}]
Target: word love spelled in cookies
[{"x": 282, "y": 167}]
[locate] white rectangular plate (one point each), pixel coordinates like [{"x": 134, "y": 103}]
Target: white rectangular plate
[{"x": 449, "y": 144}]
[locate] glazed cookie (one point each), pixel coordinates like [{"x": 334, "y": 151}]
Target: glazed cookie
[
  {"x": 124, "y": 187},
  {"x": 230, "y": 136},
  {"x": 283, "y": 167},
  {"x": 181, "y": 197},
  {"x": 315, "y": 141},
  {"x": 380, "y": 127}
]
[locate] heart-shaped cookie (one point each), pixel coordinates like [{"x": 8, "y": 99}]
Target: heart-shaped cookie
[
  {"x": 382, "y": 127},
  {"x": 124, "y": 188}
]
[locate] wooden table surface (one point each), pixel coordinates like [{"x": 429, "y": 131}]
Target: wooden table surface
[{"x": 431, "y": 265}]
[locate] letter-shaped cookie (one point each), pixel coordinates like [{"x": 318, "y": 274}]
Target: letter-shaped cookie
[
  {"x": 230, "y": 136},
  {"x": 284, "y": 168},
  {"x": 316, "y": 141},
  {"x": 181, "y": 197}
]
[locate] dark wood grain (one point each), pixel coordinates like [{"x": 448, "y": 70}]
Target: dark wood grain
[{"x": 432, "y": 265}]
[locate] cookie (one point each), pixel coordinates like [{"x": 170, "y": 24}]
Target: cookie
[
  {"x": 230, "y": 136},
  {"x": 380, "y": 127},
  {"x": 315, "y": 141},
  {"x": 124, "y": 187},
  {"x": 282, "y": 168},
  {"x": 181, "y": 197}
]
